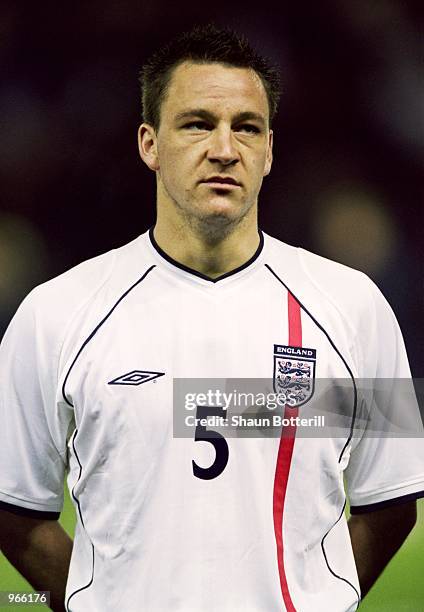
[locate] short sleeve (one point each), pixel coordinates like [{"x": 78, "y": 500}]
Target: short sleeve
[
  {"x": 33, "y": 427},
  {"x": 386, "y": 465}
]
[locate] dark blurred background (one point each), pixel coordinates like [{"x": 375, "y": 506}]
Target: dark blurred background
[{"x": 346, "y": 181}]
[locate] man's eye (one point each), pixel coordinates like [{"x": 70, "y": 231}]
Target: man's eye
[
  {"x": 247, "y": 127},
  {"x": 197, "y": 125}
]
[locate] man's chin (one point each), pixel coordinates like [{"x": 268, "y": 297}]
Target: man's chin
[{"x": 217, "y": 224}]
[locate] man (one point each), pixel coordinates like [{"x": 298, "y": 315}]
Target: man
[{"x": 210, "y": 523}]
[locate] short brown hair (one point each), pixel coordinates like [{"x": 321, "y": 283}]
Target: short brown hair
[{"x": 203, "y": 44}]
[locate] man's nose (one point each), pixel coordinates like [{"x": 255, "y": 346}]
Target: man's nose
[{"x": 222, "y": 147}]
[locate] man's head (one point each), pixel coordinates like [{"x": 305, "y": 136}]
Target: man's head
[
  {"x": 203, "y": 45},
  {"x": 207, "y": 132}
]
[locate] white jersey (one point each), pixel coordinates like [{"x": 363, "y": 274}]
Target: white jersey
[{"x": 168, "y": 522}]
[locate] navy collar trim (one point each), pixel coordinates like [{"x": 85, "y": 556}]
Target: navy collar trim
[{"x": 199, "y": 274}]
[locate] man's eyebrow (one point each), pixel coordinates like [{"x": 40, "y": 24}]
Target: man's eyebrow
[
  {"x": 196, "y": 112},
  {"x": 208, "y": 116},
  {"x": 249, "y": 116}
]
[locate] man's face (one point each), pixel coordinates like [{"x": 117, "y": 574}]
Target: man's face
[{"x": 213, "y": 146}]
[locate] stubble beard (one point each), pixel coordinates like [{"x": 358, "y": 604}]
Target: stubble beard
[{"x": 212, "y": 227}]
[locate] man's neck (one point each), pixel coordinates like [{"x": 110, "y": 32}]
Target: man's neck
[{"x": 191, "y": 249}]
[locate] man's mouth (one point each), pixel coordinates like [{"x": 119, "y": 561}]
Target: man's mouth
[{"x": 221, "y": 182}]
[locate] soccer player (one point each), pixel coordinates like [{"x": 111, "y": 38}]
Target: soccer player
[{"x": 213, "y": 522}]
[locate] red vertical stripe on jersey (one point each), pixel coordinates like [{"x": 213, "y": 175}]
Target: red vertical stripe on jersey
[{"x": 285, "y": 453}]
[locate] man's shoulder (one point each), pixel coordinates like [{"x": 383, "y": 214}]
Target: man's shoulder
[
  {"x": 317, "y": 280},
  {"x": 54, "y": 302},
  {"x": 334, "y": 276},
  {"x": 77, "y": 282},
  {"x": 321, "y": 271}
]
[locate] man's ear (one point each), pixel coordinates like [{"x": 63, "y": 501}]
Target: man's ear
[
  {"x": 147, "y": 146},
  {"x": 268, "y": 161}
]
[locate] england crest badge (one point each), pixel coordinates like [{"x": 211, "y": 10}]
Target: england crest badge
[{"x": 294, "y": 373}]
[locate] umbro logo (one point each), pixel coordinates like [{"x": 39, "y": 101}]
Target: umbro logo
[{"x": 135, "y": 377}]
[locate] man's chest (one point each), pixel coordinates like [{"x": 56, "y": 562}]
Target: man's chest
[
  {"x": 131, "y": 367},
  {"x": 146, "y": 380}
]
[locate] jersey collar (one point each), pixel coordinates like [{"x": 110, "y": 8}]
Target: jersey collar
[{"x": 199, "y": 275}]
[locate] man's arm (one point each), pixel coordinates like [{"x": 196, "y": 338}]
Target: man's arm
[
  {"x": 40, "y": 550},
  {"x": 376, "y": 536}
]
